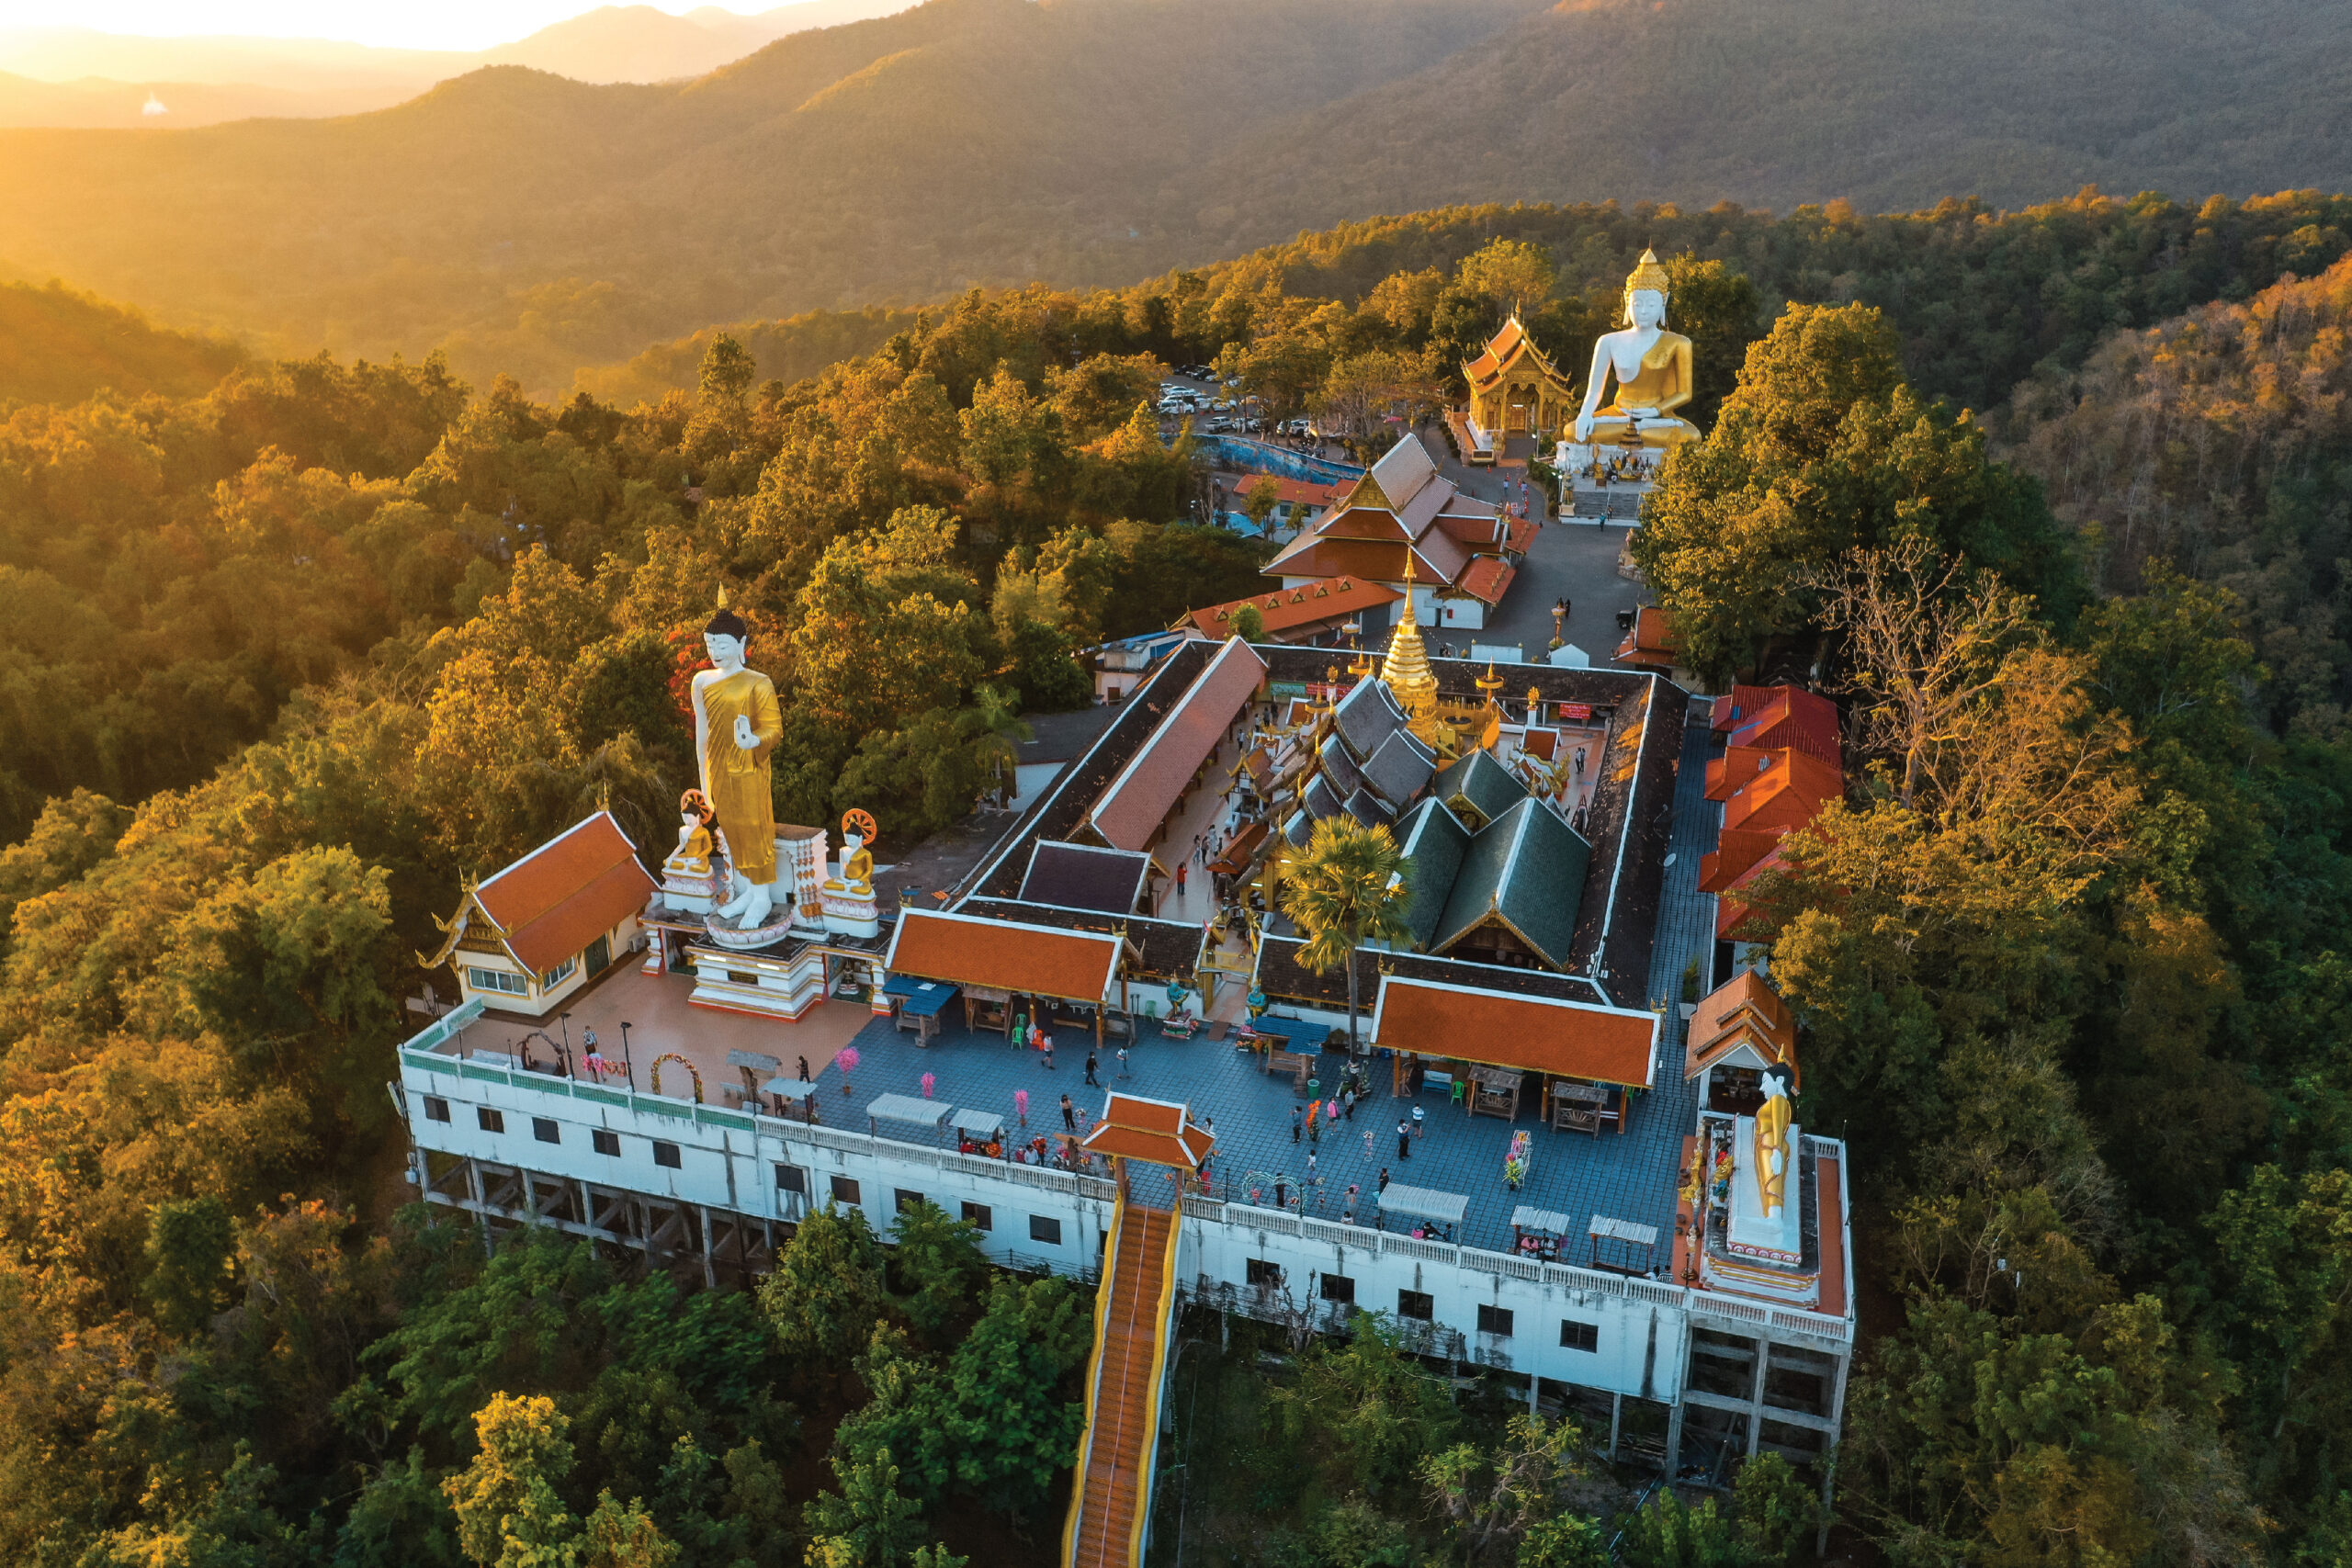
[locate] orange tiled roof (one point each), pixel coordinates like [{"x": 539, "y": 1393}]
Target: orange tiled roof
[
  {"x": 1785, "y": 796},
  {"x": 1005, "y": 956},
  {"x": 1437, "y": 558},
  {"x": 1307, "y": 492},
  {"x": 564, "y": 894},
  {"x": 1131, "y": 810},
  {"x": 1652, "y": 640},
  {"x": 1735, "y": 856},
  {"x": 1327, "y": 598},
  {"x": 1770, "y": 718},
  {"x": 1735, "y": 767},
  {"x": 1488, "y": 578},
  {"x": 1523, "y": 534},
  {"x": 1744, "y": 1009},
  {"x": 1159, "y": 1130},
  {"x": 1523, "y": 1034}
]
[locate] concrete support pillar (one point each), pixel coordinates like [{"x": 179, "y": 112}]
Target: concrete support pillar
[
  {"x": 1756, "y": 1396},
  {"x": 1616, "y": 1420},
  {"x": 474, "y": 1191},
  {"x": 1674, "y": 1441},
  {"x": 709, "y": 1268}
]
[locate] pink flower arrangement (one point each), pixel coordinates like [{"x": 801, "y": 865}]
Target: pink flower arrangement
[
  {"x": 1021, "y": 1104},
  {"x": 928, "y": 1079},
  {"x": 848, "y": 1061}
]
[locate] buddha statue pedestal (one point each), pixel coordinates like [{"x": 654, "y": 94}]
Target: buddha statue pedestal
[
  {"x": 767, "y": 933},
  {"x": 691, "y": 885},
  {"x": 851, "y": 909},
  {"x": 1752, "y": 1234}
]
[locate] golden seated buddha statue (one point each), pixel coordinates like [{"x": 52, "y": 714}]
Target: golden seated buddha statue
[{"x": 1652, "y": 367}]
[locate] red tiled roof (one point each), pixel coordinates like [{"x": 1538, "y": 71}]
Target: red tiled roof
[
  {"x": 1131, "y": 810},
  {"x": 1737, "y": 852},
  {"x": 1155, "y": 1130},
  {"x": 1497, "y": 351},
  {"x": 1523, "y": 534},
  {"x": 1785, "y": 796},
  {"x": 1524, "y": 1033},
  {"x": 564, "y": 894},
  {"x": 1298, "y": 492},
  {"x": 1776, "y": 717},
  {"x": 1005, "y": 956},
  {"x": 1325, "y": 599},
  {"x": 1488, "y": 578}
]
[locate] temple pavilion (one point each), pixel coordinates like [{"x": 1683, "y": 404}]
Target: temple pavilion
[{"x": 1514, "y": 391}]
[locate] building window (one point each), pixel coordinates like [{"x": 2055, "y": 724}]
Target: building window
[
  {"x": 511, "y": 984},
  {"x": 604, "y": 1141},
  {"x": 844, "y": 1190},
  {"x": 1575, "y": 1335},
  {"x": 666, "y": 1155},
  {"x": 544, "y": 1129},
  {"x": 977, "y": 1215},
  {"x": 1045, "y": 1230},
  {"x": 791, "y": 1178},
  {"x": 1495, "y": 1320},
  {"x": 902, "y": 1199},
  {"x": 1339, "y": 1288},
  {"x": 490, "y": 1121},
  {"x": 435, "y": 1108},
  {"x": 1415, "y": 1305},
  {"x": 1263, "y": 1274},
  {"x": 560, "y": 973}
]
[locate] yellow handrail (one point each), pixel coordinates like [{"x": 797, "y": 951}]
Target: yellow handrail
[
  {"x": 1093, "y": 1380},
  {"x": 1158, "y": 1372}
]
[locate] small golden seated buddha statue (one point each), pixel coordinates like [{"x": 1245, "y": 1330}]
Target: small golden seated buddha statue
[{"x": 1653, "y": 371}]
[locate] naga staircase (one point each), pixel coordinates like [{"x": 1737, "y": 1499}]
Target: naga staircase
[{"x": 1134, "y": 1309}]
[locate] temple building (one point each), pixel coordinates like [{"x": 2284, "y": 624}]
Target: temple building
[
  {"x": 1514, "y": 391},
  {"x": 1523, "y": 1153},
  {"x": 1408, "y": 527}
]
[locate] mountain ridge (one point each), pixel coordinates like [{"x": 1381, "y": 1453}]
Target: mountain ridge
[{"x": 963, "y": 142}]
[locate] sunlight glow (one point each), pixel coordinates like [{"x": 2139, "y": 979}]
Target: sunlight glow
[{"x": 396, "y": 24}]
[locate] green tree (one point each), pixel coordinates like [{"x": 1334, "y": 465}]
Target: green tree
[
  {"x": 937, "y": 1263},
  {"x": 1669, "y": 1533},
  {"x": 1365, "y": 1409},
  {"x": 508, "y": 1513},
  {"x": 827, "y": 1291},
  {"x": 1508, "y": 275},
  {"x": 869, "y": 1523},
  {"x": 1348, "y": 888},
  {"x": 190, "y": 1245},
  {"x": 1778, "y": 1510},
  {"x": 1249, "y": 625}
]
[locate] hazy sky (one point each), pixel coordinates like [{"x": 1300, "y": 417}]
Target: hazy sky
[{"x": 407, "y": 23}]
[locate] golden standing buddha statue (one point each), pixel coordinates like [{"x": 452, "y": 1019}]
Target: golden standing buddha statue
[
  {"x": 1653, "y": 371},
  {"x": 737, "y": 725}
]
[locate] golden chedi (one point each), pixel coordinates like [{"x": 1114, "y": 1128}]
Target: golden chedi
[
  {"x": 1652, "y": 370},
  {"x": 1409, "y": 679}
]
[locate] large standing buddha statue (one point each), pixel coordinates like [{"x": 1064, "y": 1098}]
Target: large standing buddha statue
[
  {"x": 737, "y": 726},
  {"x": 1653, "y": 371}
]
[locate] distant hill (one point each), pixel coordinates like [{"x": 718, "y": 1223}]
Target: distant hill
[
  {"x": 541, "y": 223},
  {"x": 57, "y": 346}
]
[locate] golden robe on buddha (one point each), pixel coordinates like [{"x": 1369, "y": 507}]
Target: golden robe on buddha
[
  {"x": 1664, "y": 384},
  {"x": 736, "y": 779}
]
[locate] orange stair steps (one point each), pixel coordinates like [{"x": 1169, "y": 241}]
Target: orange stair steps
[{"x": 1123, "y": 1406}]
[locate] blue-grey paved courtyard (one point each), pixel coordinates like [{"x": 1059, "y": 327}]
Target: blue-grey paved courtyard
[{"x": 1628, "y": 1175}]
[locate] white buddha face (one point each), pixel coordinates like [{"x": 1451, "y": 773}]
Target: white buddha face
[
  {"x": 1646, "y": 308},
  {"x": 726, "y": 653}
]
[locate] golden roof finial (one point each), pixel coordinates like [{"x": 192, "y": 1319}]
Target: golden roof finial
[{"x": 722, "y": 596}]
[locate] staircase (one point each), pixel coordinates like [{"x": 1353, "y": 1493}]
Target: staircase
[{"x": 1132, "y": 1311}]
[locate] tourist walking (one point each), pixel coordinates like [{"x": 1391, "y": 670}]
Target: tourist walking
[
  {"x": 1122, "y": 1061},
  {"x": 804, "y": 1069},
  {"x": 1404, "y": 1139},
  {"x": 1417, "y": 1109},
  {"x": 1070, "y": 1114},
  {"x": 1383, "y": 1179},
  {"x": 1090, "y": 1071},
  {"x": 1294, "y": 1123},
  {"x": 1046, "y": 1048}
]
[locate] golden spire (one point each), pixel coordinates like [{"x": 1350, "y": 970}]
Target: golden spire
[
  {"x": 1406, "y": 669},
  {"x": 722, "y": 596}
]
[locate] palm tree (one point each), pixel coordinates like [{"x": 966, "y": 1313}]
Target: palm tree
[{"x": 1347, "y": 889}]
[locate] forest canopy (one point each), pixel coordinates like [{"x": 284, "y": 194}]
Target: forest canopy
[{"x": 291, "y": 650}]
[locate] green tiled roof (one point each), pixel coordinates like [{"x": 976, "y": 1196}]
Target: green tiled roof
[
  {"x": 1527, "y": 869},
  {"x": 1434, "y": 842},
  {"x": 1482, "y": 784}
]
